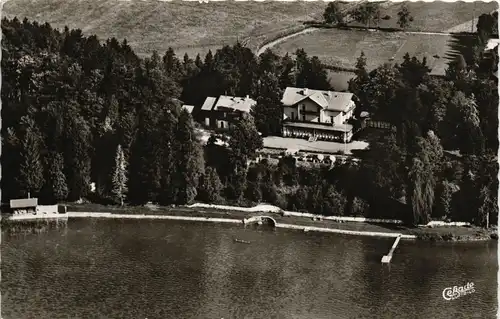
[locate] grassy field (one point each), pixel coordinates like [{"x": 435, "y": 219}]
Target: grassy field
[
  {"x": 155, "y": 25},
  {"x": 341, "y": 48},
  {"x": 437, "y": 16},
  {"x": 438, "y": 49}
]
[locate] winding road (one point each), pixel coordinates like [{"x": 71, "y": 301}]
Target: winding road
[{"x": 271, "y": 44}]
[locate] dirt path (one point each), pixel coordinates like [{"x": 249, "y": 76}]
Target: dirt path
[{"x": 271, "y": 44}]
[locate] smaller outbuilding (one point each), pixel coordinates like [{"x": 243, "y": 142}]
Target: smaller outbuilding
[{"x": 24, "y": 206}]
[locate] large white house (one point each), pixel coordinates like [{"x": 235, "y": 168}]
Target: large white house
[{"x": 319, "y": 114}]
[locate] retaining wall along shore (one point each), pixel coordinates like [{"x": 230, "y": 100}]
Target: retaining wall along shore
[
  {"x": 142, "y": 216},
  {"x": 265, "y": 208},
  {"x": 236, "y": 221}
]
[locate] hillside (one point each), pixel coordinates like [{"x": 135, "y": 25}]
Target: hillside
[{"x": 186, "y": 26}]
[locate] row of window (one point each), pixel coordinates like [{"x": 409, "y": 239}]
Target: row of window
[{"x": 295, "y": 118}]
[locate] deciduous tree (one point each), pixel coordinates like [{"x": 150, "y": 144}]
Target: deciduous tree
[
  {"x": 469, "y": 137},
  {"x": 333, "y": 13},
  {"x": 244, "y": 140},
  {"x": 268, "y": 112},
  {"x": 443, "y": 204},
  {"x": 366, "y": 13},
  {"x": 404, "y": 17}
]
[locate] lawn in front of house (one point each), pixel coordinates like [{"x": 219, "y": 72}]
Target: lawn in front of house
[{"x": 318, "y": 146}]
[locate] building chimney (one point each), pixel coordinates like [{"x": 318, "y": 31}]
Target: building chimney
[
  {"x": 247, "y": 97},
  {"x": 306, "y": 91},
  {"x": 330, "y": 94}
]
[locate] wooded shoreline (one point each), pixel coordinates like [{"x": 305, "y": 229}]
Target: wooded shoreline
[{"x": 116, "y": 131}]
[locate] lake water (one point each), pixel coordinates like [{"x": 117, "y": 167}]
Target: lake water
[{"x": 164, "y": 269}]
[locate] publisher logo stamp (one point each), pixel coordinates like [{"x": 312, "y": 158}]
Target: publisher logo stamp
[{"x": 455, "y": 292}]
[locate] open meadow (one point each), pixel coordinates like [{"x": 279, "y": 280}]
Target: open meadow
[
  {"x": 186, "y": 26},
  {"x": 436, "y": 16},
  {"x": 341, "y": 48}
]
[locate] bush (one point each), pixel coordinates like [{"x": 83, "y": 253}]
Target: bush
[
  {"x": 253, "y": 192},
  {"x": 101, "y": 199},
  {"x": 360, "y": 207},
  {"x": 281, "y": 201}
]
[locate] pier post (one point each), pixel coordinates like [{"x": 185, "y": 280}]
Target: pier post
[{"x": 387, "y": 258}]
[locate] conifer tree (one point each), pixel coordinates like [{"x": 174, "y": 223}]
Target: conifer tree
[
  {"x": 145, "y": 153},
  {"x": 77, "y": 153},
  {"x": 31, "y": 170},
  {"x": 190, "y": 164},
  {"x": 210, "y": 186},
  {"x": 198, "y": 62},
  {"x": 120, "y": 175},
  {"x": 169, "y": 147},
  {"x": 57, "y": 178}
]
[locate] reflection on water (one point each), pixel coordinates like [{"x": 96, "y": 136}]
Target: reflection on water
[{"x": 159, "y": 269}]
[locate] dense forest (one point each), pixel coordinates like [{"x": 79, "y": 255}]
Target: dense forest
[{"x": 77, "y": 110}]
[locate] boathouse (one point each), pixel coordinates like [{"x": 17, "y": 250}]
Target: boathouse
[{"x": 24, "y": 206}]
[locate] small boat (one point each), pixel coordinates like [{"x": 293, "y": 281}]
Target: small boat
[{"x": 241, "y": 241}]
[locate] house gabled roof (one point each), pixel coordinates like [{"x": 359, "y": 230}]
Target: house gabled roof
[
  {"x": 328, "y": 100},
  {"x": 492, "y": 43},
  {"x": 208, "y": 104},
  {"x": 242, "y": 104},
  {"x": 188, "y": 108}
]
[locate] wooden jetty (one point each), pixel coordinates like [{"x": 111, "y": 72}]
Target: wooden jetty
[{"x": 387, "y": 258}]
